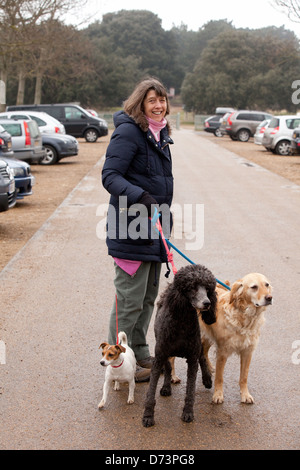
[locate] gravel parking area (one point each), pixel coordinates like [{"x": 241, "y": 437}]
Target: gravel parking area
[
  {"x": 54, "y": 183},
  {"x": 52, "y": 186}
]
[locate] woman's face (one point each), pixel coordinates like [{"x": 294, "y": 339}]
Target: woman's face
[{"x": 155, "y": 107}]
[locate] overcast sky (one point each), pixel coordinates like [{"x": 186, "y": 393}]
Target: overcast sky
[{"x": 195, "y": 13}]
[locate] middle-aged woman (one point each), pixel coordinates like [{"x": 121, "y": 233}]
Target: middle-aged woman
[{"x": 138, "y": 174}]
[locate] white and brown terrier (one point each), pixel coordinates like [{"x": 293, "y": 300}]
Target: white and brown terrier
[{"x": 121, "y": 366}]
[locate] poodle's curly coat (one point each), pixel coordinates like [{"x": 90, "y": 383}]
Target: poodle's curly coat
[{"x": 177, "y": 333}]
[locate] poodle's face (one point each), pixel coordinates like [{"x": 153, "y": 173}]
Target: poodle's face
[{"x": 200, "y": 301}]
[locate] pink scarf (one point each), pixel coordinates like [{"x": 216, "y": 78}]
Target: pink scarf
[{"x": 155, "y": 127}]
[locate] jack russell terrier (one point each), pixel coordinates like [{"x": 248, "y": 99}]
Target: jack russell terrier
[{"x": 121, "y": 365}]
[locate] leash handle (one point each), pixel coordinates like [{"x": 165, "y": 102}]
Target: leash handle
[{"x": 156, "y": 223}]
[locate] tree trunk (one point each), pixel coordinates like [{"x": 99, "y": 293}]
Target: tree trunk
[
  {"x": 21, "y": 88},
  {"x": 39, "y": 77}
]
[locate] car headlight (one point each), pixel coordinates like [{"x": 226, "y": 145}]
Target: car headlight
[{"x": 17, "y": 171}]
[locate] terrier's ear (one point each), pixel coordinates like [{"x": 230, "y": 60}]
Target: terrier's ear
[
  {"x": 120, "y": 348},
  {"x": 103, "y": 345}
]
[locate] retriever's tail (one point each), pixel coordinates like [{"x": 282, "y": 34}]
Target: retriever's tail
[{"x": 122, "y": 338}]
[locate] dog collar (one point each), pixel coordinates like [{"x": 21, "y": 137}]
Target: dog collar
[{"x": 116, "y": 367}]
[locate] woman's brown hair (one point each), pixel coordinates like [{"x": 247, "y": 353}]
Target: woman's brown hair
[{"x": 133, "y": 106}]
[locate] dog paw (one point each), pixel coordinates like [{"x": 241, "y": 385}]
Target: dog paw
[
  {"x": 207, "y": 382},
  {"x": 187, "y": 417},
  {"x": 218, "y": 398},
  {"x": 175, "y": 379},
  {"x": 101, "y": 404},
  {"x": 247, "y": 398},
  {"x": 117, "y": 386},
  {"x": 130, "y": 401},
  {"x": 166, "y": 391},
  {"x": 148, "y": 421}
]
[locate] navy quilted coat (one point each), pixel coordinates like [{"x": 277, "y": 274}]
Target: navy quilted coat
[{"x": 135, "y": 163}]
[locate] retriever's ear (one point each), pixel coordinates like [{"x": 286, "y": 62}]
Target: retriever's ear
[{"x": 236, "y": 290}]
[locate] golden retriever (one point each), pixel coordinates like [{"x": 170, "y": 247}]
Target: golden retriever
[{"x": 240, "y": 316}]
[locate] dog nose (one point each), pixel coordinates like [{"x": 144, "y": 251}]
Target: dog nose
[
  {"x": 269, "y": 298},
  {"x": 206, "y": 304},
  {"x": 102, "y": 363}
]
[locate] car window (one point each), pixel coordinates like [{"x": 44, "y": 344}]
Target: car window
[
  {"x": 243, "y": 117},
  {"x": 274, "y": 123},
  {"x": 292, "y": 123},
  {"x": 38, "y": 120},
  {"x": 14, "y": 129},
  {"x": 2, "y": 129},
  {"x": 72, "y": 113},
  {"x": 257, "y": 117},
  {"x": 19, "y": 116},
  {"x": 55, "y": 111}
]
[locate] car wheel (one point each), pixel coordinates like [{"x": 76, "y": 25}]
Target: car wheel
[
  {"x": 218, "y": 133},
  {"x": 283, "y": 147},
  {"x": 51, "y": 156},
  {"x": 233, "y": 137},
  {"x": 243, "y": 135},
  {"x": 91, "y": 135}
]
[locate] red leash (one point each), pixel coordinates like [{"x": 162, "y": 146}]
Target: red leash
[{"x": 117, "y": 319}]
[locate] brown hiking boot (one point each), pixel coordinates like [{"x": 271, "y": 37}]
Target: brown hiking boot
[
  {"x": 146, "y": 363},
  {"x": 142, "y": 374}
]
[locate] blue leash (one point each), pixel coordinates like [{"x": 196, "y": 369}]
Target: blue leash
[{"x": 154, "y": 220}]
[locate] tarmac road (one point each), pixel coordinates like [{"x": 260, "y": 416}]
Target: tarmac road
[{"x": 56, "y": 295}]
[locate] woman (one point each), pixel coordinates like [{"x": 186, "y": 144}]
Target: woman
[{"x": 138, "y": 175}]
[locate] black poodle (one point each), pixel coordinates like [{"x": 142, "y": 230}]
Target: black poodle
[{"x": 177, "y": 333}]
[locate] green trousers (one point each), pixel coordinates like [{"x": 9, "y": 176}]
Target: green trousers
[{"x": 135, "y": 301}]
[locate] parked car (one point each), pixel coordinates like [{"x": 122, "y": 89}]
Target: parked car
[
  {"x": 212, "y": 125},
  {"x": 26, "y": 139},
  {"x": 260, "y": 130},
  {"x": 241, "y": 125},
  {"x": 278, "y": 135},
  {"x": 295, "y": 142},
  {"x": 5, "y": 144},
  {"x": 47, "y": 124},
  {"x": 24, "y": 180},
  {"x": 8, "y": 194},
  {"x": 57, "y": 147},
  {"x": 77, "y": 121}
]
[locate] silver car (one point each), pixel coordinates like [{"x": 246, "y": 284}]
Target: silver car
[
  {"x": 278, "y": 135},
  {"x": 26, "y": 139},
  {"x": 241, "y": 125},
  {"x": 260, "y": 130}
]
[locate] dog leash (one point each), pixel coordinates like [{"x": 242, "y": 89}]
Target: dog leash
[
  {"x": 156, "y": 223},
  {"x": 167, "y": 244},
  {"x": 117, "y": 320}
]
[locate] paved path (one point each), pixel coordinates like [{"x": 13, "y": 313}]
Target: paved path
[{"x": 56, "y": 296}]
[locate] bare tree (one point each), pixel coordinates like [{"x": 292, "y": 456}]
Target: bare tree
[
  {"x": 291, "y": 8},
  {"x": 17, "y": 18}
]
